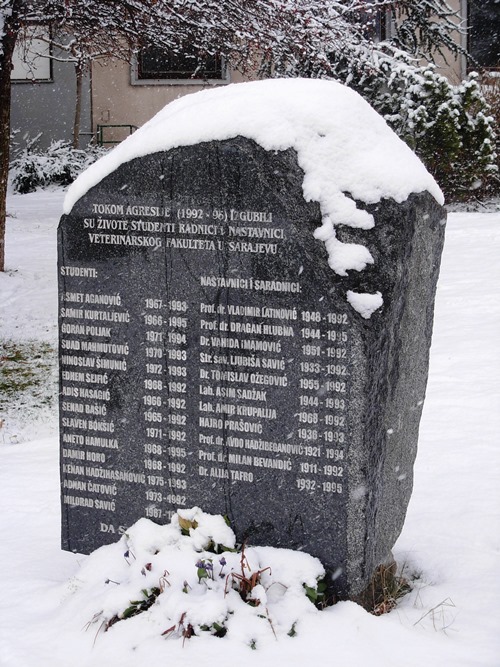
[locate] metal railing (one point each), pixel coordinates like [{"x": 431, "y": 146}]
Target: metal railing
[{"x": 101, "y": 141}]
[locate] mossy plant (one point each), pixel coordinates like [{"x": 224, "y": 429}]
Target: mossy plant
[
  {"x": 25, "y": 367},
  {"x": 28, "y": 383}
]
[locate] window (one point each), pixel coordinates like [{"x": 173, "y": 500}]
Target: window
[
  {"x": 154, "y": 65},
  {"x": 374, "y": 23},
  {"x": 484, "y": 32},
  {"x": 31, "y": 59}
]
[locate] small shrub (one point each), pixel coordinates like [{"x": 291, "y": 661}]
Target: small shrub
[
  {"x": 59, "y": 164},
  {"x": 449, "y": 127},
  {"x": 490, "y": 87},
  {"x": 384, "y": 590}
]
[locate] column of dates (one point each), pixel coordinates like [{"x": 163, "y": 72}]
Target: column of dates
[
  {"x": 152, "y": 406},
  {"x": 310, "y": 399},
  {"x": 336, "y": 398},
  {"x": 175, "y": 433},
  {"x": 323, "y": 399}
]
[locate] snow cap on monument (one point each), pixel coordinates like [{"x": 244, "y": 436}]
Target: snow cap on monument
[{"x": 341, "y": 142}]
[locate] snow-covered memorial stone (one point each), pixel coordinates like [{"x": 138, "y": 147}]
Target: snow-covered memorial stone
[{"x": 246, "y": 296}]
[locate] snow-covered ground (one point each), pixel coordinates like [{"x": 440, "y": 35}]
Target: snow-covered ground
[{"x": 451, "y": 538}]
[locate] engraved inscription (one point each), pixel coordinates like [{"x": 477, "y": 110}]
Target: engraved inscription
[{"x": 224, "y": 378}]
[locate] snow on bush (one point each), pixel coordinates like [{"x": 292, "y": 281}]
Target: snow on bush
[
  {"x": 449, "y": 127},
  {"x": 187, "y": 578},
  {"x": 59, "y": 164}
]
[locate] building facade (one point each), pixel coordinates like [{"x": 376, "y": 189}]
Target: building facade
[
  {"x": 118, "y": 97},
  {"x": 44, "y": 93}
]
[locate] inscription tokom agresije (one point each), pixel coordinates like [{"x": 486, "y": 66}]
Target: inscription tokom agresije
[{"x": 242, "y": 362}]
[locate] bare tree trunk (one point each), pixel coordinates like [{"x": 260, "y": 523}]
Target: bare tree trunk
[
  {"x": 78, "y": 105},
  {"x": 8, "y": 43}
]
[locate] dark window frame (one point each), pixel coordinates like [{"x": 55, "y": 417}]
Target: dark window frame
[
  {"x": 481, "y": 46},
  {"x": 155, "y": 66}
]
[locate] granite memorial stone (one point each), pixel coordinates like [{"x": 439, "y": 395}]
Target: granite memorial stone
[{"x": 211, "y": 357}]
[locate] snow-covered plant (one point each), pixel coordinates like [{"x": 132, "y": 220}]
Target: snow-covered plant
[
  {"x": 448, "y": 126},
  {"x": 490, "y": 87},
  {"x": 246, "y": 583},
  {"x": 59, "y": 164},
  {"x": 165, "y": 579}
]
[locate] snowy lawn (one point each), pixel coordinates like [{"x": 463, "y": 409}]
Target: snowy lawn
[{"x": 450, "y": 544}]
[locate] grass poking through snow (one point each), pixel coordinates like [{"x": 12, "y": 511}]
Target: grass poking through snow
[{"x": 28, "y": 384}]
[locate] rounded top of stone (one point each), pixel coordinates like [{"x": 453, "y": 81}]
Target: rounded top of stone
[{"x": 342, "y": 144}]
